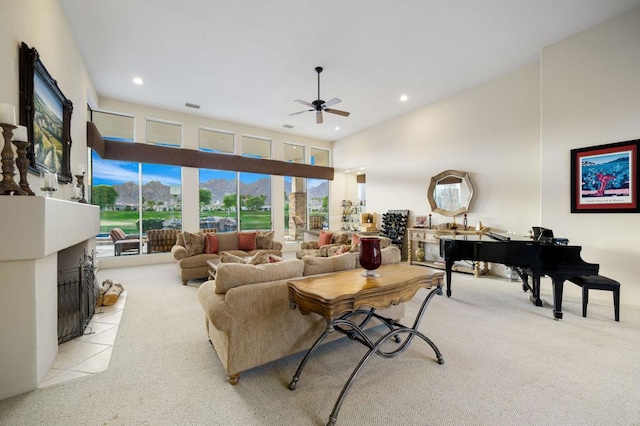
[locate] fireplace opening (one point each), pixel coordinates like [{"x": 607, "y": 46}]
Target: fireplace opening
[{"x": 77, "y": 293}]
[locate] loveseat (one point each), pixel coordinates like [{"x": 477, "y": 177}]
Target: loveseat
[
  {"x": 193, "y": 250},
  {"x": 329, "y": 242},
  {"x": 247, "y": 314}
]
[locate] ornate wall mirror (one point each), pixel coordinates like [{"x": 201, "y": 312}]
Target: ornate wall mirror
[{"x": 450, "y": 193}]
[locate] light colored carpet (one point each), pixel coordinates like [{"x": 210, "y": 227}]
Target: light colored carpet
[{"x": 506, "y": 362}]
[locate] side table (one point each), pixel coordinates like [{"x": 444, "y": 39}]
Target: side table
[
  {"x": 213, "y": 267},
  {"x": 339, "y": 296}
]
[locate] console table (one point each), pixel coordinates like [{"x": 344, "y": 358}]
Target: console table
[
  {"x": 339, "y": 296},
  {"x": 430, "y": 239}
]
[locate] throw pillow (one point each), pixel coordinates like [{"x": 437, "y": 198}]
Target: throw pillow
[
  {"x": 227, "y": 241},
  {"x": 274, "y": 259},
  {"x": 342, "y": 249},
  {"x": 341, "y": 238},
  {"x": 258, "y": 258},
  {"x": 194, "y": 243},
  {"x": 325, "y": 238},
  {"x": 264, "y": 240},
  {"x": 210, "y": 243},
  {"x": 247, "y": 241},
  {"x": 355, "y": 239},
  {"x": 227, "y": 257}
]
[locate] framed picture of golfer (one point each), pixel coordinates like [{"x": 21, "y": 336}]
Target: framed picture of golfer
[{"x": 604, "y": 178}]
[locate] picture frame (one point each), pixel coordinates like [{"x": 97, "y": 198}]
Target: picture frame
[
  {"x": 421, "y": 221},
  {"x": 604, "y": 178},
  {"x": 46, "y": 113}
]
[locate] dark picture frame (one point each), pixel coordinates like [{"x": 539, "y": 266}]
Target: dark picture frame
[
  {"x": 604, "y": 178},
  {"x": 46, "y": 113}
]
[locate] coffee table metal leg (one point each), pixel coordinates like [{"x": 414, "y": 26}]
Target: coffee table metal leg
[{"x": 294, "y": 381}]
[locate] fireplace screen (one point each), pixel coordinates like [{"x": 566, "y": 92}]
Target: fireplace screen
[{"x": 77, "y": 293}]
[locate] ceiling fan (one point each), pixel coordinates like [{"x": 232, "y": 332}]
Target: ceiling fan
[{"x": 319, "y": 105}]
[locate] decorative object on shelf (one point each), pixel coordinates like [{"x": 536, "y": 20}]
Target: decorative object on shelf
[
  {"x": 420, "y": 252},
  {"x": 49, "y": 182},
  {"x": 44, "y": 110},
  {"x": 450, "y": 193},
  {"x": 20, "y": 140},
  {"x": 464, "y": 222},
  {"x": 370, "y": 256},
  {"x": 81, "y": 189},
  {"x": 394, "y": 225},
  {"x": 8, "y": 186},
  {"x": 429, "y": 221}
]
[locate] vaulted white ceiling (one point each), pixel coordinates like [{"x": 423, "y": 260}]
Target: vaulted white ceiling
[{"x": 247, "y": 60}]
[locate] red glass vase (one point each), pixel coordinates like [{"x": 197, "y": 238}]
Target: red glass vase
[{"x": 370, "y": 255}]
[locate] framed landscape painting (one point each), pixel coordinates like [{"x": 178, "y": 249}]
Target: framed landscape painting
[
  {"x": 604, "y": 178},
  {"x": 46, "y": 113}
]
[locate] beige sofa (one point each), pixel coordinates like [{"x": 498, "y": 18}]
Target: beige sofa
[
  {"x": 247, "y": 314},
  {"x": 195, "y": 266},
  {"x": 338, "y": 239}
]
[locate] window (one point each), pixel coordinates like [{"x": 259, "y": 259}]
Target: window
[
  {"x": 114, "y": 126},
  {"x": 215, "y": 141},
  {"x": 161, "y": 197},
  {"x": 318, "y": 203},
  {"x": 255, "y": 201},
  {"x": 218, "y": 200},
  {"x": 256, "y": 147},
  {"x": 319, "y": 157},
  {"x": 164, "y": 133},
  {"x": 115, "y": 190}
]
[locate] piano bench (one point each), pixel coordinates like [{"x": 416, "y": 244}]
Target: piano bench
[{"x": 598, "y": 282}]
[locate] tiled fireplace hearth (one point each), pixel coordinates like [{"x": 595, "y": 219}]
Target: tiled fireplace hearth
[{"x": 40, "y": 236}]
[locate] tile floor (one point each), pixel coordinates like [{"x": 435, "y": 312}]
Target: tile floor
[{"x": 90, "y": 353}]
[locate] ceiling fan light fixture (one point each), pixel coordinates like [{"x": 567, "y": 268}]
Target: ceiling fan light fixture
[{"x": 320, "y": 106}]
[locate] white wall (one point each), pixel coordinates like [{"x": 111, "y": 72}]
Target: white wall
[
  {"x": 42, "y": 25},
  {"x": 491, "y": 131},
  {"x": 591, "y": 96}
]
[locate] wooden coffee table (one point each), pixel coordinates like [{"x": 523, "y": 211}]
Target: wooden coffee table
[{"x": 339, "y": 296}]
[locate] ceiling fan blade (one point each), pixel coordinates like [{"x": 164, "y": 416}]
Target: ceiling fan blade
[
  {"x": 305, "y": 103},
  {"x": 331, "y": 102},
  {"x": 300, "y": 112},
  {"x": 318, "y": 117},
  {"x": 337, "y": 111}
]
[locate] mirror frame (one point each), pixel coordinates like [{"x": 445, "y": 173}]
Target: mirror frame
[{"x": 432, "y": 187}]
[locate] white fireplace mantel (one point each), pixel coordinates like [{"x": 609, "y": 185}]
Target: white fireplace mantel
[{"x": 34, "y": 229}]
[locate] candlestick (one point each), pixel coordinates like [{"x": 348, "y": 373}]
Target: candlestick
[
  {"x": 80, "y": 185},
  {"x": 23, "y": 162},
  {"x": 8, "y": 186}
]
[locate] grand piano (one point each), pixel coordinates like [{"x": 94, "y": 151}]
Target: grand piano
[{"x": 528, "y": 257}]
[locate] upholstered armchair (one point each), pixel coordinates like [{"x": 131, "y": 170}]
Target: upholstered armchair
[
  {"x": 161, "y": 240},
  {"x": 123, "y": 243}
]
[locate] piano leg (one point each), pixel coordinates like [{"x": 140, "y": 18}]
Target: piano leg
[
  {"x": 448, "y": 268},
  {"x": 535, "y": 291},
  {"x": 558, "y": 287}
]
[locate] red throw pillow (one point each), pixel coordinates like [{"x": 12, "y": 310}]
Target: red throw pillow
[
  {"x": 210, "y": 243},
  {"x": 355, "y": 239},
  {"x": 325, "y": 238},
  {"x": 247, "y": 241}
]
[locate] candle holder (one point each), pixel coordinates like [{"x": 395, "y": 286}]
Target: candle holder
[
  {"x": 23, "y": 162},
  {"x": 81, "y": 188},
  {"x": 8, "y": 186},
  {"x": 49, "y": 182}
]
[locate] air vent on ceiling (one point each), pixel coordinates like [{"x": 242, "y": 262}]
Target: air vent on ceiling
[
  {"x": 188, "y": 105},
  {"x": 288, "y": 126}
]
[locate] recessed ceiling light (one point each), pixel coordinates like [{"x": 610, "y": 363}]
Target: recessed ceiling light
[
  {"x": 337, "y": 127},
  {"x": 361, "y": 168},
  {"x": 347, "y": 171},
  {"x": 138, "y": 80},
  {"x": 403, "y": 98}
]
